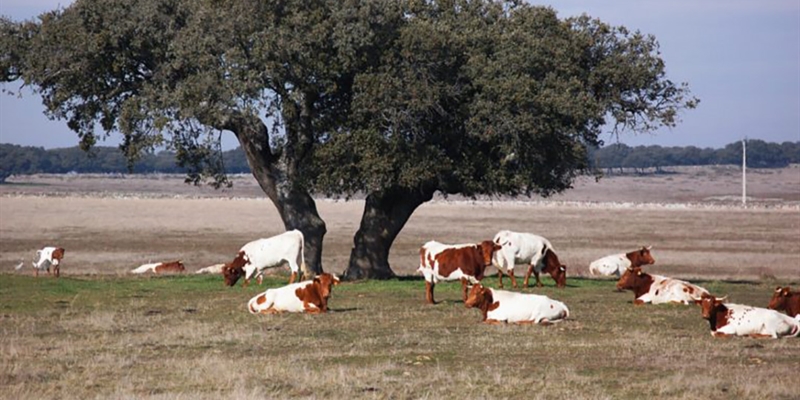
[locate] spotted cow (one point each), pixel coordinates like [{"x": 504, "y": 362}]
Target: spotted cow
[
  {"x": 303, "y": 297},
  {"x": 464, "y": 262},
  {"x": 500, "y": 306},
  {"x": 657, "y": 289},
  {"x": 530, "y": 249},
  {"x": 617, "y": 264},
  {"x": 739, "y": 320},
  {"x": 160, "y": 267}
]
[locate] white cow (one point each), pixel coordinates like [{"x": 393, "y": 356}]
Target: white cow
[
  {"x": 212, "y": 269},
  {"x": 742, "y": 320},
  {"x": 48, "y": 256},
  {"x": 504, "y": 306},
  {"x": 530, "y": 249},
  {"x": 616, "y": 264},
  {"x": 255, "y": 257},
  {"x": 657, "y": 289},
  {"x": 308, "y": 296}
]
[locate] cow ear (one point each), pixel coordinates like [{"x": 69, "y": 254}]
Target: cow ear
[{"x": 786, "y": 292}]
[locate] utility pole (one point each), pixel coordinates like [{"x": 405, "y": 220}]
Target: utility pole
[{"x": 744, "y": 171}]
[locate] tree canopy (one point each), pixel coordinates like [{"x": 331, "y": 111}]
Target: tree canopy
[{"x": 394, "y": 99}]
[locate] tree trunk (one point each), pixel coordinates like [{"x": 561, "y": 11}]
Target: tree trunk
[
  {"x": 296, "y": 207},
  {"x": 385, "y": 214}
]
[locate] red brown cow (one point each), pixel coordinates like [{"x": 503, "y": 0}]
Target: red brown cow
[
  {"x": 160, "y": 268},
  {"x": 465, "y": 262},
  {"x": 307, "y": 296},
  {"x": 784, "y": 299}
]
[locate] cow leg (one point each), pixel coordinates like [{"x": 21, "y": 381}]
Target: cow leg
[
  {"x": 528, "y": 274},
  {"x": 538, "y": 281},
  {"x": 36, "y": 272},
  {"x": 260, "y": 279},
  {"x": 429, "y": 292},
  {"x": 513, "y": 278},
  {"x": 492, "y": 322},
  {"x": 293, "y": 277},
  {"x": 500, "y": 278},
  {"x": 56, "y": 271},
  {"x": 246, "y": 281},
  {"x": 464, "y": 290},
  {"x": 720, "y": 334}
]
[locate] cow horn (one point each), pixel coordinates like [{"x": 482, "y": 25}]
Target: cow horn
[
  {"x": 649, "y": 247},
  {"x": 722, "y": 299},
  {"x": 778, "y": 289}
]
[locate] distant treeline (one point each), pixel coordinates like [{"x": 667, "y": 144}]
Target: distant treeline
[
  {"x": 17, "y": 160},
  {"x": 760, "y": 154}
]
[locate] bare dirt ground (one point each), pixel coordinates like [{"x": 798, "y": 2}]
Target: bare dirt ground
[{"x": 693, "y": 218}]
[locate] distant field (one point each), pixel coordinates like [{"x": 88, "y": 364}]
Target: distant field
[{"x": 99, "y": 332}]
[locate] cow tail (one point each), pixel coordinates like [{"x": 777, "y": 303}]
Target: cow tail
[{"x": 303, "y": 266}]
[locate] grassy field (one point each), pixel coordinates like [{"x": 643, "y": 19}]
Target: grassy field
[{"x": 189, "y": 337}]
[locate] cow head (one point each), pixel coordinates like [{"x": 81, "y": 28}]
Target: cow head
[
  {"x": 234, "y": 270},
  {"x": 477, "y": 296},
  {"x": 780, "y": 298},
  {"x": 57, "y": 255},
  {"x": 487, "y": 248},
  {"x": 632, "y": 279},
  {"x": 326, "y": 282},
  {"x": 710, "y": 305},
  {"x": 554, "y": 267},
  {"x": 645, "y": 257}
]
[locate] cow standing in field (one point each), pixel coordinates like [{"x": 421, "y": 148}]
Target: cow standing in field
[
  {"x": 657, "y": 289},
  {"x": 308, "y": 296},
  {"x": 500, "y": 306},
  {"x": 527, "y": 248},
  {"x": 617, "y": 264},
  {"x": 465, "y": 262},
  {"x": 784, "y": 299},
  {"x": 160, "y": 268},
  {"x": 255, "y": 257},
  {"x": 46, "y": 257},
  {"x": 740, "y": 320}
]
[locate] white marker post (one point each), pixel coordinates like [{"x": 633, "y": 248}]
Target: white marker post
[{"x": 744, "y": 171}]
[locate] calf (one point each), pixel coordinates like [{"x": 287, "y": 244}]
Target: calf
[
  {"x": 465, "y": 262},
  {"x": 160, "y": 268},
  {"x": 46, "y": 257},
  {"x": 527, "y": 248},
  {"x": 502, "y": 306},
  {"x": 307, "y": 296},
  {"x": 658, "y": 289},
  {"x": 616, "y": 264},
  {"x": 255, "y": 257},
  {"x": 784, "y": 299},
  {"x": 740, "y": 320}
]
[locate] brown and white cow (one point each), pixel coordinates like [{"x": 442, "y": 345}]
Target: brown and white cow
[
  {"x": 160, "y": 268},
  {"x": 46, "y": 257},
  {"x": 308, "y": 296},
  {"x": 256, "y": 256},
  {"x": 465, "y": 262},
  {"x": 657, "y": 289},
  {"x": 741, "y": 320},
  {"x": 784, "y": 299},
  {"x": 500, "y": 306},
  {"x": 533, "y": 250},
  {"x": 616, "y": 264}
]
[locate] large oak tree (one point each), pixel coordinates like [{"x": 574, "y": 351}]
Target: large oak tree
[{"x": 393, "y": 100}]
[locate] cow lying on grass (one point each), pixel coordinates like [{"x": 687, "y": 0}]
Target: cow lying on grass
[
  {"x": 530, "y": 249},
  {"x": 617, "y": 264},
  {"x": 658, "y": 289},
  {"x": 160, "y": 268},
  {"x": 784, "y": 299},
  {"x": 464, "y": 262},
  {"x": 307, "y": 296},
  {"x": 503, "y": 306},
  {"x": 255, "y": 257},
  {"x": 741, "y": 320}
]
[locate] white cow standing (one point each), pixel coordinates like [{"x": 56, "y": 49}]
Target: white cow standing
[
  {"x": 47, "y": 257},
  {"x": 256, "y": 256},
  {"x": 527, "y": 248}
]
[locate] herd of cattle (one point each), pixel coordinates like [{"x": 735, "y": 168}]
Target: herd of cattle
[{"x": 467, "y": 263}]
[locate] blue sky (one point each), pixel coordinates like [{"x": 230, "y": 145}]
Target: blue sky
[{"x": 740, "y": 57}]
